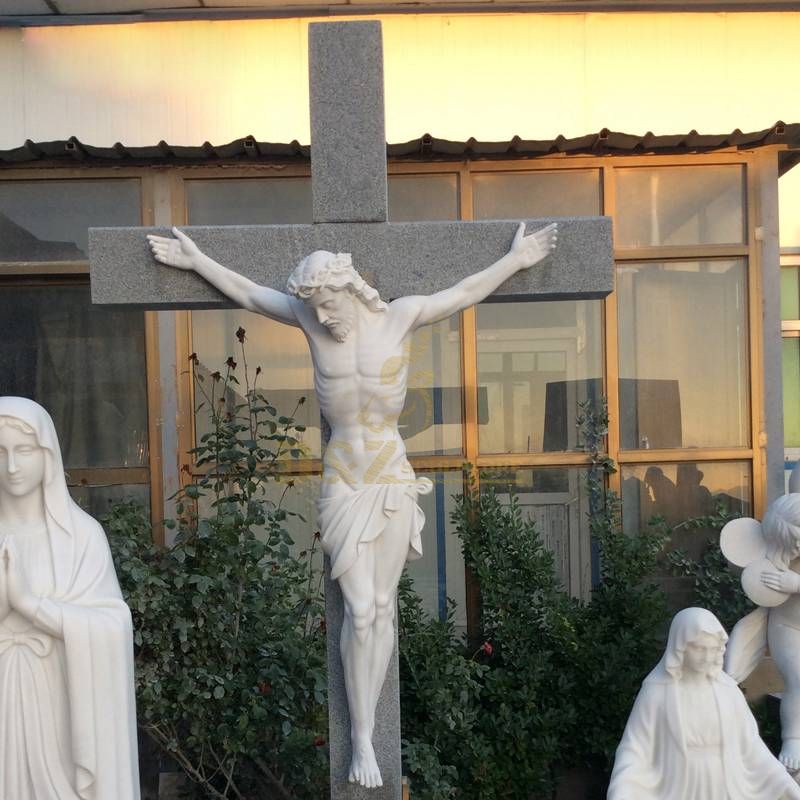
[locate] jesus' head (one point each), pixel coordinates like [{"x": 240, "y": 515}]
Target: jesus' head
[{"x": 328, "y": 283}]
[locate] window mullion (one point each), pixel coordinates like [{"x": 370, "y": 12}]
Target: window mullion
[{"x": 611, "y": 344}]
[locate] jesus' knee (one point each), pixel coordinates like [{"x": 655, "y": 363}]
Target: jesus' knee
[
  {"x": 384, "y": 610},
  {"x": 362, "y": 618}
]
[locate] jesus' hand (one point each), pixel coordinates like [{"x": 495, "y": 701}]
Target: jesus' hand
[
  {"x": 180, "y": 252},
  {"x": 530, "y": 250}
]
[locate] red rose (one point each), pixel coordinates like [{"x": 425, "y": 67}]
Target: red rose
[
  {"x": 487, "y": 648},
  {"x": 319, "y": 741},
  {"x": 265, "y": 688}
]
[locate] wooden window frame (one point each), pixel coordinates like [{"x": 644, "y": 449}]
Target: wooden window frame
[
  {"x": 57, "y": 273},
  {"x": 464, "y": 170},
  {"x": 163, "y": 195}
]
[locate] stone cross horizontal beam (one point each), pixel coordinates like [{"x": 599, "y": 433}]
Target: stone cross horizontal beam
[{"x": 397, "y": 258}]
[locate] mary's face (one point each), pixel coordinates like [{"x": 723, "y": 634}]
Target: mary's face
[
  {"x": 22, "y": 462},
  {"x": 704, "y": 655}
]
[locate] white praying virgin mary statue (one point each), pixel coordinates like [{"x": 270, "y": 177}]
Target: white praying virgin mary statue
[{"x": 67, "y": 705}]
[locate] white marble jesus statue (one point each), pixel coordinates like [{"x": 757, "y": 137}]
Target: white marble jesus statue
[{"x": 369, "y": 519}]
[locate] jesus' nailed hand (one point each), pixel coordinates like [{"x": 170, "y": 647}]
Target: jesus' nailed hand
[{"x": 369, "y": 519}]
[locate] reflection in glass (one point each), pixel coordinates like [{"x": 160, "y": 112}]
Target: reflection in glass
[
  {"x": 413, "y": 198},
  {"x": 536, "y": 362},
  {"x": 679, "y": 206},
  {"x": 683, "y": 359},
  {"x": 556, "y": 500},
  {"x": 678, "y": 492},
  {"x": 282, "y": 353},
  {"x": 280, "y": 350},
  {"x": 49, "y": 220},
  {"x": 512, "y": 195},
  {"x": 85, "y": 364},
  {"x": 439, "y": 574},
  {"x": 249, "y": 201},
  {"x": 431, "y": 420},
  {"x": 791, "y": 391},
  {"x": 98, "y": 500}
]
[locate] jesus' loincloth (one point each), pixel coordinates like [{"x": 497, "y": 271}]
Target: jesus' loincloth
[{"x": 349, "y": 521}]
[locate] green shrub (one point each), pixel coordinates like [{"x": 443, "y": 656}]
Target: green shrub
[
  {"x": 230, "y": 646},
  {"x": 230, "y": 639},
  {"x": 552, "y": 686},
  {"x": 715, "y": 584}
]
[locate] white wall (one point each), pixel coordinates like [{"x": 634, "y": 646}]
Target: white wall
[{"x": 490, "y": 76}]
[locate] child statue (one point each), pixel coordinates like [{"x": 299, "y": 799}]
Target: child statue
[
  {"x": 691, "y": 735},
  {"x": 766, "y": 550},
  {"x": 67, "y": 706}
]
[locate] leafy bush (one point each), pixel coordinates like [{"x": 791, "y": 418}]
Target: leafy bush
[
  {"x": 230, "y": 633},
  {"x": 230, "y": 645},
  {"x": 715, "y": 584},
  {"x": 552, "y": 686}
]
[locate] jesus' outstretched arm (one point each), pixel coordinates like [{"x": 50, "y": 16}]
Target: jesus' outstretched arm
[
  {"x": 525, "y": 252},
  {"x": 183, "y": 253}
]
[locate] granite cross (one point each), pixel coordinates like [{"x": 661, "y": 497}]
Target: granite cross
[{"x": 350, "y": 214}]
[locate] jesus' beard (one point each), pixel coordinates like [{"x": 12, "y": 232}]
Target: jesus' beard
[{"x": 340, "y": 328}]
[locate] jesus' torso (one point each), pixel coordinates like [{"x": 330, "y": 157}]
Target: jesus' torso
[{"x": 361, "y": 387}]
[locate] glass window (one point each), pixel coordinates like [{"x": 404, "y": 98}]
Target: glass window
[
  {"x": 85, "y": 364},
  {"x": 439, "y": 574},
  {"x": 249, "y": 201},
  {"x": 678, "y": 492},
  {"x": 432, "y": 416},
  {"x": 683, "y": 359},
  {"x": 536, "y": 362},
  {"x": 791, "y": 391},
  {"x": 790, "y": 292},
  {"x": 49, "y": 220},
  {"x": 512, "y": 195},
  {"x": 280, "y": 350},
  {"x": 98, "y": 500},
  {"x": 679, "y": 206},
  {"x": 556, "y": 500},
  {"x": 415, "y": 198}
]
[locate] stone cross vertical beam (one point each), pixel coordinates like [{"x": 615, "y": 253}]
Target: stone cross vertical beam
[
  {"x": 350, "y": 215},
  {"x": 348, "y": 134},
  {"x": 349, "y": 184}
]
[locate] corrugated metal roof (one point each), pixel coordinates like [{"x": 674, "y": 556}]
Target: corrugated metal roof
[
  {"x": 427, "y": 147},
  {"x": 88, "y": 12}
]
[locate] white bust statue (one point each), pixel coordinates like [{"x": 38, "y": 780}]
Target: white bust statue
[
  {"x": 368, "y": 514},
  {"x": 67, "y": 706},
  {"x": 768, "y": 551},
  {"x": 691, "y": 735}
]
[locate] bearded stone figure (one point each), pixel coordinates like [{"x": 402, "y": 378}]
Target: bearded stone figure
[{"x": 67, "y": 706}]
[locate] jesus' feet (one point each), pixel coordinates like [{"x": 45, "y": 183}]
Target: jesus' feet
[
  {"x": 364, "y": 768},
  {"x": 790, "y": 754}
]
